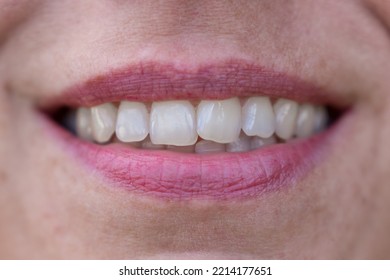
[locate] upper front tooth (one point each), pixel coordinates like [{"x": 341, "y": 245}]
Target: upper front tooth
[
  {"x": 219, "y": 120},
  {"x": 132, "y": 124},
  {"x": 103, "y": 121},
  {"x": 173, "y": 123},
  {"x": 258, "y": 118},
  {"x": 305, "y": 120},
  {"x": 84, "y": 123},
  {"x": 286, "y": 112}
]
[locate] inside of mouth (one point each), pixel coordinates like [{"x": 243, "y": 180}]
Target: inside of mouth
[{"x": 201, "y": 127}]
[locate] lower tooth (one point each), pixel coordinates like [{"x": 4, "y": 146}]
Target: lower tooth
[
  {"x": 242, "y": 144},
  {"x": 148, "y": 145},
  {"x": 258, "y": 142},
  {"x": 181, "y": 149},
  {"x": 135, "y": 144},
  {"x": 207, "y": 147}
]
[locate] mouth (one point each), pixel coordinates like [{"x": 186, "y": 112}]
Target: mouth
[{"x": 231, "y": 130}]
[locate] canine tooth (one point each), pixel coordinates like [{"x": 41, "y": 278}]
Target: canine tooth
[
  {"x": 286, "y": 112},
  {"x": 257, "y": 142},
  {"x": 242, "y": 144},
  {"x": 181, "y": 149},
  {"x": 103, "y": 121},
  {"x": 84, "y": 123},
  {"x": 207, "y": 147},
  {"x": 148, "y": 145},
  {"x": 219, "y": 120},
  {"x": 258, "y": 117},
  {"x": 173, "y": 123},
  {"x": 132, "y": 124},
  {"x": 305, "y": 120},
  {"x": 320, "y": 119}
]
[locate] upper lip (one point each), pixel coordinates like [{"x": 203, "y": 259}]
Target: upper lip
[
  {"x": 153, "y": 81},
  {"x": 189, "y": 176}
]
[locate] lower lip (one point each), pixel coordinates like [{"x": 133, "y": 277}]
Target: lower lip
[{"x": 170, "y": 175}]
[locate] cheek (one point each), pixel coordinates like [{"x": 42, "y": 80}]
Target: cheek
[
  {"x": 39, "y": 209},
  {"x": 354, "y": 195}
]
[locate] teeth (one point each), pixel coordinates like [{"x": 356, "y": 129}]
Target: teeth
[
  {"x": 129, "y": 144},
  {"x": 242, "y": 144},
  {"x": 103, "y": 122},
  {"x": 132, "y": 124},
  {"x": 207, "y": 147},
  {"x": 286, "y": 112},
  {"x": 220, "y": 120},
  {"x": 173, "y": 123},
  {"x": 84, "y": 123},
  {"x": 258, "y": 142},
  {"x": 321, "y": 119},
  {"x": 148, "y": 145},
  {"x": 181, "y": 149},
  {"x": 258, "y": 118},
  {"x": 305, "y": 120},
  {"x": 175, "y": 126}
]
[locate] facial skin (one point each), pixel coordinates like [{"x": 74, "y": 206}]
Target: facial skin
[{"x": 52, "y": 207}]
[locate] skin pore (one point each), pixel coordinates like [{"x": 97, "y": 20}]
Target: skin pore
[{"x": 52, "y": 207}]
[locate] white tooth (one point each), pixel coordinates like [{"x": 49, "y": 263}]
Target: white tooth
[
  {"x": 321, "y": 119},
  {"x": 132, "y": 124},
  {"x": 305, "y": 120},
  {"x": 258, "y": 142},
  {"x": 103, "y": 122},
  {"x": 173, "y": 123},
  {"x": 286, "y": 112},
  {"x": 181, "y": 149},
  {"x": 219, "y": 120},
  {"x": 130, "y": 144},
  {"x": 84, "y": 123},
  {"x": 258, "y": 117},
  {"x": 148, "y": 145},
  {"x": 207, "y": 147},
  {"x": 242, "y": 144}
]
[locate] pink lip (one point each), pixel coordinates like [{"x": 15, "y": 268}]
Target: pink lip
[
  {"x": 172, "y": 175},
  {"x": 151, "y": 81}
]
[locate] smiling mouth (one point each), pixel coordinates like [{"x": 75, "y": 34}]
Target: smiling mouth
[{"x": 218, "y": 132}]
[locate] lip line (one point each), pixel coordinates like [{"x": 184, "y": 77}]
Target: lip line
[
  {"x": 176, "y": 176},
  {"x": 154, "y": 81}
]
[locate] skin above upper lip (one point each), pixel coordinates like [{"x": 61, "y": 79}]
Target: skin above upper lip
[{"x": 190, "y": 176}]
